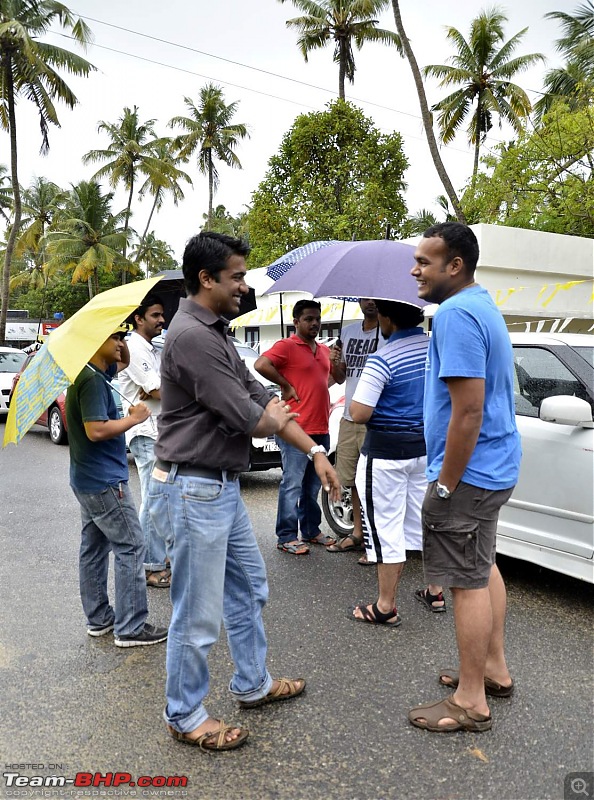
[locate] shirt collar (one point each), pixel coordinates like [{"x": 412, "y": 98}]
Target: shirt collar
[
  {"x": 205, "y": 315},
  {"x": 407, "y": 332}
]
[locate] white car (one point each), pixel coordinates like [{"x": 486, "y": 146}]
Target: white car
[
  {"x": 11, "y": 361},
  {"x": 549, "y": 519}
]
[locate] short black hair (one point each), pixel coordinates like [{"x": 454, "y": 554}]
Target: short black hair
[
  {"x": 301, "y": 305},
  {"x": 459, "y": 240},
  {"x": 150, "y": 300},
  {"x": 403, "y": 315},
  {"x": 209, "y": 251}
]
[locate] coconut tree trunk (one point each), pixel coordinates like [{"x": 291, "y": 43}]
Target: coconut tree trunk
[
  {"x": 426, "y": 115},
  {"x": 16, "y": 223},
  {"x": 341, "y": 75},
  {"x": 141, "y": 243},
  {"x": 126, "y": 223},
  {"x": 210, "y": 189}
]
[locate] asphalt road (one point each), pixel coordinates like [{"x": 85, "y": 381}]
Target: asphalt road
[{"x": 74, "y": 704}]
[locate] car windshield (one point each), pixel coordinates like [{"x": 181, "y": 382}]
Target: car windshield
[
  {"x": 587, "y": 353},
  {"x": 12, "y": 362}
]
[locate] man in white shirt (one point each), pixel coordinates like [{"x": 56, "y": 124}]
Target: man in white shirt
[
  {"x": 359, "y": 340},
  {"x": 141, "y": 381}
]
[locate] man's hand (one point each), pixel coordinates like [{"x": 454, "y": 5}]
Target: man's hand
[
  {"x": 335, "y": 355},
  {"x": 327, "y": 474},
  {"x": 280, "y": 412},
  {"x": 288, "y": 393},
  {"x": 139, "y": 412}
]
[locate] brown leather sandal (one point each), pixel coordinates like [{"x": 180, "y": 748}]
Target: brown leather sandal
[
  {"x": 205, "y": 742},
  {"x": 295, "y": 687},
  {"x": 492, "y": 688},
  {"x": 158, "y": 580},
  {"x": 428, "y": 716}
]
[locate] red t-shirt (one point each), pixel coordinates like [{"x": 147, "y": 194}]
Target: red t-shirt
[{"x": 308, "y": 373}]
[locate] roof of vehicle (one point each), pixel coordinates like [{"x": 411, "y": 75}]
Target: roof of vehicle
[
  {"x": 569, "y": 339},
  {"x": 9, "y": 349}
]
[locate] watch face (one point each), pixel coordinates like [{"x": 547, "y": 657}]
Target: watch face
[{"x": 443, "y": 492}]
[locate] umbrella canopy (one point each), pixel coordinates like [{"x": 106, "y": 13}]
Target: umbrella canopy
[
  {"x": 67, "y": 350},
  {"x": 378, "y": 268},
  {"x": 172, "y": 288},
  {"x": 283, "y": 264}
]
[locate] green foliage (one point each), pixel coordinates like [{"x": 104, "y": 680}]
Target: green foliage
[
  {"x": 544, "y": 180},
  {"x": 574, "y": 81},
  {"x": 223, "y": 222},
  {"x": 482, "y": 69},
  {"x": 335, "y": 177},
  {"x": 344, "y": 23}
]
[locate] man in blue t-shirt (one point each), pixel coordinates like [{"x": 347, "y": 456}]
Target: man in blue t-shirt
[
  {"x": 473, "y": 457},
  {"x": 99, "y": 480}
]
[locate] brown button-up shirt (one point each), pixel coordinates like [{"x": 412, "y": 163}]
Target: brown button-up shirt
[{"x": 210, "y": 403}]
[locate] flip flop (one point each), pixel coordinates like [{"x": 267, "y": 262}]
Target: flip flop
[
  {"x": 363, "y": 562},
  {"x": 464, "y": 719},
  {"x": 293, "y": 548},
  {"x": 322, "y": 539},
  {"x": 492, "y": 688},
  {"x": 295, "y": 687},
  {"x": 374, "y": 616}
]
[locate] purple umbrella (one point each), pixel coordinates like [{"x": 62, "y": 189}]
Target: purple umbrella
[{"x": 378, "y": 268}]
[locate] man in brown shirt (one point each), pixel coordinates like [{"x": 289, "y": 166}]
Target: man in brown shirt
[{"x": 210, "y": 408}]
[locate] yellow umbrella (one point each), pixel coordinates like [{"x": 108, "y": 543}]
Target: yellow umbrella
[{"x": 65, "y": 353}]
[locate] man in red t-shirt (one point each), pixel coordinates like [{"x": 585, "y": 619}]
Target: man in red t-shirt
[{"x": 301, "y": 367}]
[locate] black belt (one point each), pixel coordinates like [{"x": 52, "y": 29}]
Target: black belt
[{"x": 197, "y": 472}]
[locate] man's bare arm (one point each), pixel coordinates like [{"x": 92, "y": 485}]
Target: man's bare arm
[{"x": 468, "y": 398}]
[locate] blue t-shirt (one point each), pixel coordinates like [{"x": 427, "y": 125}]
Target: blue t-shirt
[
  {"x": 470, "y": 340},
  {"x": 94, "y": 465}
]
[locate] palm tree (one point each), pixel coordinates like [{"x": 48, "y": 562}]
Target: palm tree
[
  {"x": 90, "y": 238},
  {"x": 426, "y": 115},
  {"x": 28, "y": 69},
  {"x": 574, "y": 82},
  {"x": 5, "y": 193},
  {"x": 129, "y": 153},
  {"x": 344, "y": 21},
  {"x": 209, "y": 131},
  {"x": 164, "y": 176},
  {"x": 483, "y": 69},
  {"x": 155, "y": 254}
]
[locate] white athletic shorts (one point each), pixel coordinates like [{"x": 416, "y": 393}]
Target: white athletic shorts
[{"x": 391, "y": 495}]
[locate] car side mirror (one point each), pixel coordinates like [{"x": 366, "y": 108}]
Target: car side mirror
[{"x": 566, "y": 410}]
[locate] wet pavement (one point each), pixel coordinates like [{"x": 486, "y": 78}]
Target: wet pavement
[{"x": 71, "y": 704}]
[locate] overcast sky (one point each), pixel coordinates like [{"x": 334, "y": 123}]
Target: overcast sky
[{"x": 252, "y": 34}]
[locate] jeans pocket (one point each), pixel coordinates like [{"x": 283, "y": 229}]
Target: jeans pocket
[
  {"x": 451, "y": 541},
  {"x": 202, "y": 490}
]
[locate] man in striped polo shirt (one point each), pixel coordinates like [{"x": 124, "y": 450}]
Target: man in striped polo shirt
[{"x": 391, "y": 471}]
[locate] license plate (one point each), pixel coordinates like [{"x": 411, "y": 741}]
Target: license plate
[{"x": 270, "y": 447}]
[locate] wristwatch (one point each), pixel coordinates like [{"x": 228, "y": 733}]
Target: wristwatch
[
  {"x": 318, "y": 448},
  {"x": 442, "y": 491}
]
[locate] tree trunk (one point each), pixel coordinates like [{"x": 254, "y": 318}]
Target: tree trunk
[
  {"x": 477, "y": 147},
  {"x": 426, "y": 114},
  {"x": 210, "y": 189},
  {"x": 341, "y": 76},
  {"x": 90, "y": 285},
  {"x": 16, "y": 223},
  {"x": 126, "y": 223},
  {"x": 141, "y": 243}
]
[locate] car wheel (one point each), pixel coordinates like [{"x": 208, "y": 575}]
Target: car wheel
[
  {"x": 339, "y": 513},
  {"x": 56, "y": 427}
]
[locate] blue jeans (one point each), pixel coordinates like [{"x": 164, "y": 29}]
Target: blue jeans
[
  {"x": 218, "y": 574},
  {"x": 110, "y": 522},
  {"x": 298, "y": 493},
  {"x": 143, "y": 450}
]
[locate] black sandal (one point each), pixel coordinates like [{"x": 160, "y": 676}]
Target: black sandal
[
  {"x": 336, "y": 548},
  {"x": 374, "y": 616},
  {"x": 425, "y": 596}
]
